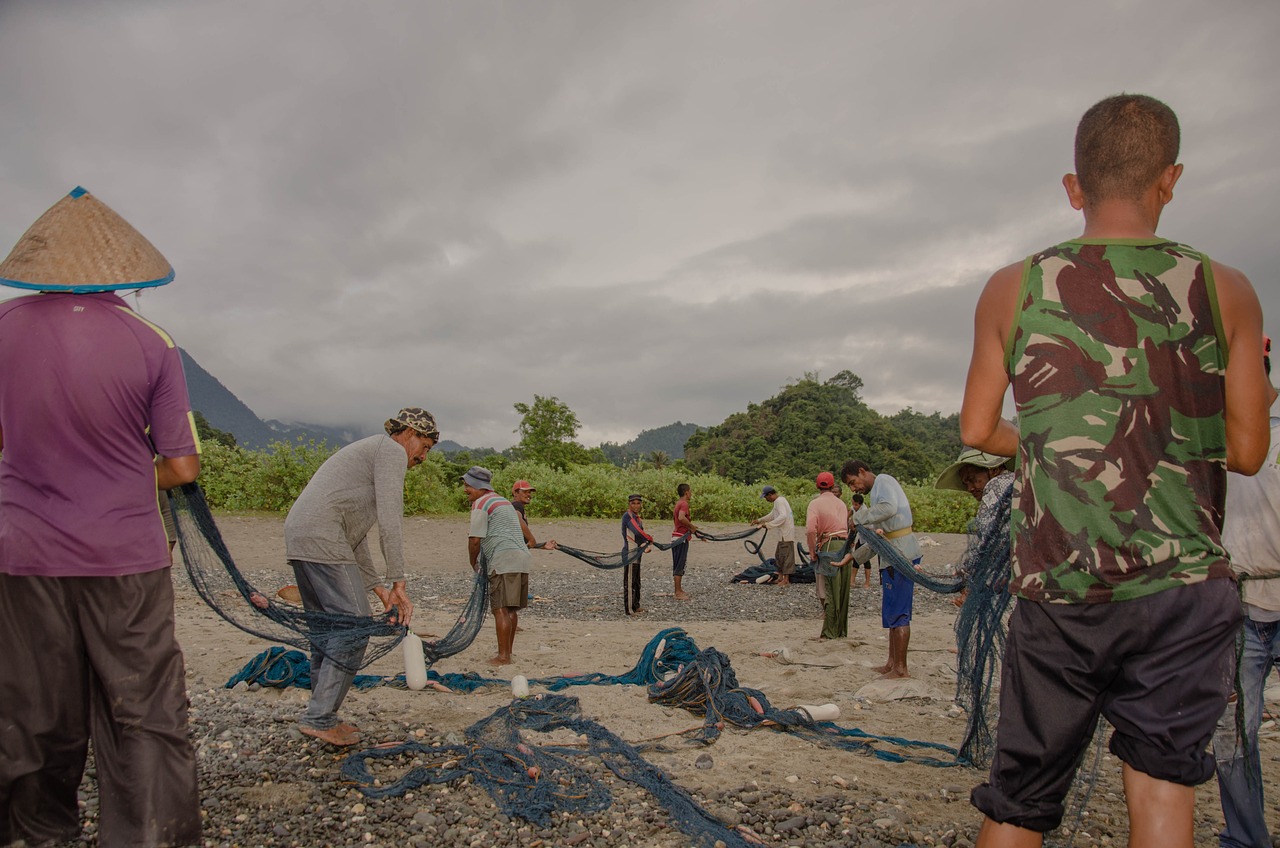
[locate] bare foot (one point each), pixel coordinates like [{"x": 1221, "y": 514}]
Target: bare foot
[
  {"x": 336, "y": 736},
  {"x": 896, "y": 674},
  {"x": 639, "y": 611},
  {"x": 348, "y": 727},
  {"x": 499, "y": 660},
  {"x": 682, "y": 596},
  {"x": 882, "y": 669},
  {"x": 817, "y": 638}
]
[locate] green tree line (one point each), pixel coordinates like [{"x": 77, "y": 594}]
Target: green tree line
[{"x": 237, "y": 479}]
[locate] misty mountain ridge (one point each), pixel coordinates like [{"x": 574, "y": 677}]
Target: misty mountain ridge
[{"x": 223, "y": 410}]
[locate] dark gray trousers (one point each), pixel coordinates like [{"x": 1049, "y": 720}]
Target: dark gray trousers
[{"x": 94, "y": 657}]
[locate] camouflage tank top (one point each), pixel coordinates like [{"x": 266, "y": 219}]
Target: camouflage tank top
[{"x": 1117, "y": 367}]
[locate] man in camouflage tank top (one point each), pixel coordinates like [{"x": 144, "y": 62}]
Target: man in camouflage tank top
[{"x": 1136, "y": 370}]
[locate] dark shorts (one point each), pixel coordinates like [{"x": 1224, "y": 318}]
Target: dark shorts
[
  {"x": 679, "y": 556},
  {"x": 896, "y": 595},
  {"x": 1159, "y": 668},
  {"x": 785, "y": 556},
  {"x": 509, "y": 590}
]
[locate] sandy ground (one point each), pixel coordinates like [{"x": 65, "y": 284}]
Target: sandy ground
[{"x": 915, "y": 796}]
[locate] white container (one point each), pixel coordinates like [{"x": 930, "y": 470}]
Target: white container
[
  {"x": 822, "y": 712},
  {"x": 415, "y": 662},
  {"x": 519, "y": 686}
]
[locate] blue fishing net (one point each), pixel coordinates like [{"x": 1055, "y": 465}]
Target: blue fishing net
[
  {"x": 608, "y": 561},
  {"x": 532, "y": 781},
  {"x": 222, "y": 586}
]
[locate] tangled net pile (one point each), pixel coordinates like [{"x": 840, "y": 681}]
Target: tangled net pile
[
  {"x": 532, "y": 781},
  {"x": 221, "y": 585},
  {"x": 708, "y": 687}
]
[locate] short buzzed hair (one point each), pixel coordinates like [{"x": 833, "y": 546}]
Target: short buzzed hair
[
  {"x": 682, "y": 489},
  {"x": 1123, "y": 144}
]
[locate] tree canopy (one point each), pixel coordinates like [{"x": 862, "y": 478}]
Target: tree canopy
[
  {"x": 810, "y": 427},
  {"x": 548, "y": 429}
]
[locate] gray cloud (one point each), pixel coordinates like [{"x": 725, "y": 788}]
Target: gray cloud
[{"x": 653, "y": 211}]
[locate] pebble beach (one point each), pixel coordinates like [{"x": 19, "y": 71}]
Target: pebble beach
[{"x": 265, "y": 784}]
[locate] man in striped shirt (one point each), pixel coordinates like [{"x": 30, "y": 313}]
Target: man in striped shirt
[{"x": 497, "y": 536}]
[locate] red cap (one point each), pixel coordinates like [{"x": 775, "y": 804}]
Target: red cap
[
  {"x": 826, "y": 480},
  {"x": 521, "y": 485}
]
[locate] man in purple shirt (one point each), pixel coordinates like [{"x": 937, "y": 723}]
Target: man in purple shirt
[{"x": 94, "y": 416}]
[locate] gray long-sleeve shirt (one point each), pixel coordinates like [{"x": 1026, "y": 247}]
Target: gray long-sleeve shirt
[{"x": 359, "y": 486}]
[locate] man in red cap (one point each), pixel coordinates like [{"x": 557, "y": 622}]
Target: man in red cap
[
  {"x": 521, "y": 493},
  {"x": 826, "y": 527}
]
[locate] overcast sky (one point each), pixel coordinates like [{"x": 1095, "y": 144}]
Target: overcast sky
[{"x": 654, "y": 211}]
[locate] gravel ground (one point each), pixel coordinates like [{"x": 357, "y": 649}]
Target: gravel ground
[{"x": 264, "y": 784}]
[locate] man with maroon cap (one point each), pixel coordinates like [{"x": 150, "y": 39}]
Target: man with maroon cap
[
  {"x": 521, "y": 493},
  {"x": 94, "y": 415}
]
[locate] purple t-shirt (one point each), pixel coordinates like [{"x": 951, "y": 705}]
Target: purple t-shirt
[{"x": 90, "y": 393}]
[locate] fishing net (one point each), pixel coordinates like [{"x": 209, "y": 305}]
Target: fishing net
[
  {"x": 891, "y": 557},
  {"x": 982, "y": 625},
  {"x": 532, "y": 781},
  {"x": 708, "y": 687},
  {"x": 608, "y": 561},
  {"x": 222, "y": 586},
  {"x": 282, "y": 668},
  {"x": 727, "y": 537}
]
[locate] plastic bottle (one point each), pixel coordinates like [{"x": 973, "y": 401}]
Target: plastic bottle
[
  {"x": 519, "y": 686},
  {"x": 415, "y": 662}
]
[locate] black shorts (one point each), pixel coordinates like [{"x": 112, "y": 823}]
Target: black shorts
[
  {"x": 1159, "y": 668},
  {"x": 679, "y": 556}
]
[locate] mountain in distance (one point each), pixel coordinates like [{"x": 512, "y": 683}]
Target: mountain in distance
[
  {"x": 222, "y": 409},
  {"x": 669, "y": 439}
]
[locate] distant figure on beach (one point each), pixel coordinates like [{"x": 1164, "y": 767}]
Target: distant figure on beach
[
  {"x": 858, "y": 504},
  {"x": 1251, "y": 532},
  {"x": 94, "y": 416},
  {"x": 497, "y": 536},
  {"x": 889, "y": 514},
  {"x": 521, "y": 493},
  {"x": 633, "y": 531},
  {"x": 780, "y": 518},
  {"x": 826, "y": 526},
  {"x": 681, "y": 525},
  {"x": 326, "y": 539},
  {"x": 1137, "y": 372}
]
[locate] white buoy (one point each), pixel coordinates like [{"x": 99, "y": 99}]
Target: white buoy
[
  {"x": 519, "y": 686},
  {"x": 415, "y": 662},
  {"x": 822, "y": 712},
  {"x": 662, "y": 646},
  {"x": 785, "y": 653}
]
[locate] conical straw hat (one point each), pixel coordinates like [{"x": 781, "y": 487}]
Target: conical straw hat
[{"x": 80, "y": 245}]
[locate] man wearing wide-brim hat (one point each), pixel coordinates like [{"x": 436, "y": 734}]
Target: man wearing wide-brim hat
[
  {"x": 94, "y": 415},
  {"x": 972, "y": 471},
  {"x": 988, "y": 477},
  {"x": 326, "y": 539}
]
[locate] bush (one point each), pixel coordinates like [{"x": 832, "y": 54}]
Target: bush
[{"x": 237, "y": 479}]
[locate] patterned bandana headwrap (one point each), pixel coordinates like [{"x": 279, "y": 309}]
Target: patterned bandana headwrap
[{"x": 416, "y": 418}]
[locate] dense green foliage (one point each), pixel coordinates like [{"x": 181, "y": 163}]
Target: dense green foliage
[
  {"x": 209, "y": 433},
  {"x": 238, "y": 479},
  {"x": 668, "y": 440},
  {"x": 810, "y": 427}
]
